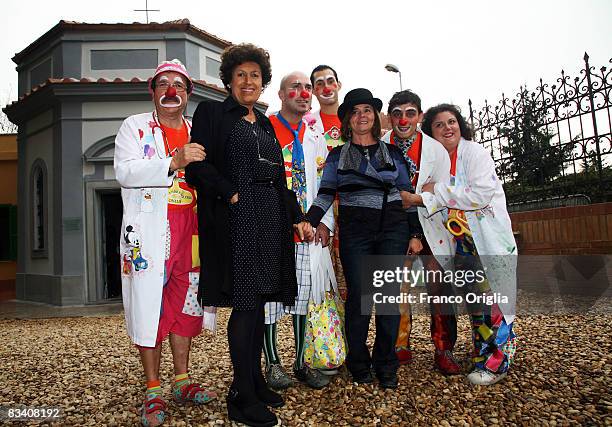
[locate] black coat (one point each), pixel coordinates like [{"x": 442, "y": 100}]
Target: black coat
[{"x": 213, "y": 122}]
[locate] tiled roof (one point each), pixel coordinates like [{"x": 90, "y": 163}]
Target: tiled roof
[{"x": 179, "y": 25}]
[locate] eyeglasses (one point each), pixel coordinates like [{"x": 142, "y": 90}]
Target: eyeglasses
[
  {"x": 263, "y": 159},
  {"x": 267, "y": 162},
  {"x": 398, "y": 113},
  {"x": 180, "y": 87}
]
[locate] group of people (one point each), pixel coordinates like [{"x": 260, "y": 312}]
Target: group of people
[{"x": 266, "y": 214}]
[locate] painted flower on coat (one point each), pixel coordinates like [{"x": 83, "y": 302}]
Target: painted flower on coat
[{"x": 310, "y": 120}]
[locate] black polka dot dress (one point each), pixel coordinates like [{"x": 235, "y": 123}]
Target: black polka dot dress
[{"x": 258, "y": 229}]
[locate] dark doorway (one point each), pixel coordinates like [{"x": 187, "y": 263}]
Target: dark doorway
[{"x": 112, "y": 211}]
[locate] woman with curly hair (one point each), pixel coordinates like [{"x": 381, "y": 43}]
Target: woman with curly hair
[
  {"x": 465, "y": 217},
  {"x": 245, "y": 214}
]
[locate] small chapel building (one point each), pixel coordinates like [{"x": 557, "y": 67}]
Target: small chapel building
[{"x": 76, "y": 84}]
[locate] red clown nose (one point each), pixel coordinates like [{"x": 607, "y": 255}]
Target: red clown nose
[
  {"x": 170, "y": 92},
  {"x": 403, "y": 122},
  {"x": 305, "y": 94},
  {"x": 326, "y": 91}
]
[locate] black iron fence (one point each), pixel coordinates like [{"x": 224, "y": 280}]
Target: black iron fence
[{"x": 552, "y": 145}]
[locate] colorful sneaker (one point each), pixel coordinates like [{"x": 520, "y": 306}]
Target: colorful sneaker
[
  {"x": 483, "y": 377},
  {"x": 446, "y": 363},
  {"x": 277, "y": 378},
  {"x": 193, "y": 393},
  {"x": 153, "y": 412}
]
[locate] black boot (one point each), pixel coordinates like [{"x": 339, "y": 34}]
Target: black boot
[
  {"x": 270, "y": 398},
  {"x": 263, "y": 392},
  {"x": 254, "y": 414}
]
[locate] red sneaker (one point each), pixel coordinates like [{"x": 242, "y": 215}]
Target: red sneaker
[
  {"x": 445, "y": 362},
  {"x": 404, "y": 355}
]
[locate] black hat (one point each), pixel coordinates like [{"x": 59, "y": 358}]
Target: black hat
[{"x": 356, "y": 97}]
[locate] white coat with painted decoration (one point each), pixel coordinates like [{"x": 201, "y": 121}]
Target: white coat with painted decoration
[
  {"x": 477, "y": 190},
  {"x": 141, "y": 168}
]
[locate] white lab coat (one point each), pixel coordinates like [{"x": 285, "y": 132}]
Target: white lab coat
[
  {"x": 478, "y": 191},
  {"x": 141, "y": 167},
  {"x": 315, "y": 152}
]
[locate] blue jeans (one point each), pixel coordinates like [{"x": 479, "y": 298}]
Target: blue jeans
[{"x": 359, "y": 239}]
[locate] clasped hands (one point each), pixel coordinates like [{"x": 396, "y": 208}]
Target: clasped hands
[{"x": 308, "y": 233}]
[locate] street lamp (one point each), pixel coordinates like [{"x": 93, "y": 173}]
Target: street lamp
[{"x": 394, "y": 69}]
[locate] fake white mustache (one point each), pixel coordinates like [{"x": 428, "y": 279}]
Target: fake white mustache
[{"x": 174, "y": 104}]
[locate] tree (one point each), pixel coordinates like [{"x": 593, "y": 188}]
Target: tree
[
  {"x": 6, "y": 126},
  {"x": 532, "y": 160}
]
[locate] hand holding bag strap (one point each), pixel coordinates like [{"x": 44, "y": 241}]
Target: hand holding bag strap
[
  {"x": 322, "y": 273},
  {"x": 317, "y": 274}
]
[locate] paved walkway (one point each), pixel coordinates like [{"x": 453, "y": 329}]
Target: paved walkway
[{"x": 14, "y": 309}]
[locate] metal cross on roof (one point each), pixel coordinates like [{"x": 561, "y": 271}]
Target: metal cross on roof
[{"x": 146, "y": 10}]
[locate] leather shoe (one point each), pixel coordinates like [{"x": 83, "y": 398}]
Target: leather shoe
[
  {"x": 387, "y": 380},
  {"x": 364, "y": 377},
  {"x": 253, "y": 414}
]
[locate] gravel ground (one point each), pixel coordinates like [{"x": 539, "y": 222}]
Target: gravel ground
[{"x": 88, "y": 367}]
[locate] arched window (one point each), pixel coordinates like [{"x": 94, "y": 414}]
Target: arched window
[{"x": 39, "y": 190}]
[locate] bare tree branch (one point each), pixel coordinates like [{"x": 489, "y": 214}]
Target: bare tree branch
[{"x": 6, "y": 126}]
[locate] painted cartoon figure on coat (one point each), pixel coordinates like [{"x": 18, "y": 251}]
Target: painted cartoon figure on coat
[{"x": 132, "y": 239}]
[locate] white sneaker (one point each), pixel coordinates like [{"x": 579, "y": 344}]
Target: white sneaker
[{"x": 484, "y": 377}]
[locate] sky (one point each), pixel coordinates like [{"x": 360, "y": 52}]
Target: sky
[{"x": 447, "y": 51}]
